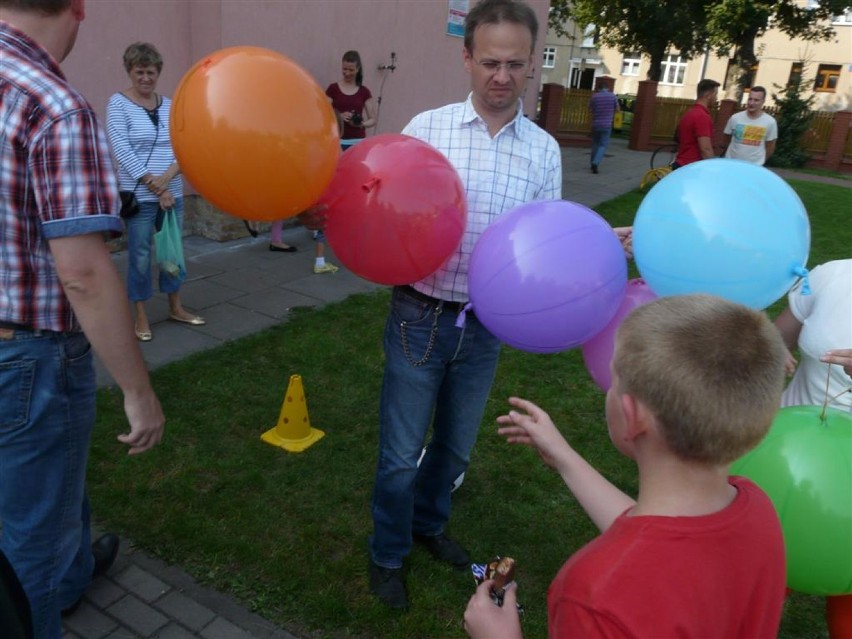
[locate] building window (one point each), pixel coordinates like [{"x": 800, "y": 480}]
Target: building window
[
  {"x": 589, "y": 34},
  {"x": 827, "y": 77},
  {"x": 795, "y": 78},
  {"x": 549, "y": 58},
  {"x": 674, "y": 68},
  {"x": 630, "y": 63}
]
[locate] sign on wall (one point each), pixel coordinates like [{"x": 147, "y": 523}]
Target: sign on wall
[{"x": 456, "y": 14}]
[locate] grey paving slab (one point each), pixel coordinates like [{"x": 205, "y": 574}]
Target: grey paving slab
[
  {"x": 142, "y": 583},
  {"x": 174, "y": 631},
  {"x": 223, "y": 629},
  {"x": 185, "y": 610},
  {"x": 138, "y": 616},
  {"x": 275, "y": 302},
  {"x": 91, "y": 622}
]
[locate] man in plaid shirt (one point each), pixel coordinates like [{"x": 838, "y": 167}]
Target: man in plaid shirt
[{"x": 59, "y": 291}]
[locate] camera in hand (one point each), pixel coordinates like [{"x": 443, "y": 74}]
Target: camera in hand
[{"x": 356, "y": 119}]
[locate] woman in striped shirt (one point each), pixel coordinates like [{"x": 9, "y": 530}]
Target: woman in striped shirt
[{"x": 138, "y": 129}]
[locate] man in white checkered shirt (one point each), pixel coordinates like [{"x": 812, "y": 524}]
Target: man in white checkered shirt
[{"x": 435, "y": 368}]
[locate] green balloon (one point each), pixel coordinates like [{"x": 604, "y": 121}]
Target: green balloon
[{"x": 804, "y": 464}]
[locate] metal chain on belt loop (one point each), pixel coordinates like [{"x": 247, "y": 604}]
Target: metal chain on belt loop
[{"x": 429, "y": 346}]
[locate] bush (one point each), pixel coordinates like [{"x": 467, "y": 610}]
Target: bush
[{"x": 794, "y": 118}]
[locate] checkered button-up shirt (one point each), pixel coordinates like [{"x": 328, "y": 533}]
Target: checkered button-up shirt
[
  {"x": 56, "y": 180},
  {"x": 520, "y": 164}
]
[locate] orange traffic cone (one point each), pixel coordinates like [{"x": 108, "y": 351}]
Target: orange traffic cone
[{"x": 293, "y": 431}]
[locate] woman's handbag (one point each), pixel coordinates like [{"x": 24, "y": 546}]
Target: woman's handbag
[
  {"x": 129, "y": 203},
  {"x": 169, "y": 245}
]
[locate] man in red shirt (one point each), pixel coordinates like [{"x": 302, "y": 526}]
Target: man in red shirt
[{"x": 695, "y": 129}]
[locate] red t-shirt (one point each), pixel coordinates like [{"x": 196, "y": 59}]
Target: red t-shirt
[
  {"x": 719, "y": 575},
  {"x": 695, "y": 123},
  {"x": 344, "y": 103}
]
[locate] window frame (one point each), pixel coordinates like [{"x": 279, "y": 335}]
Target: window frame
[
  {"x": 548, "y": 57},
  {"x": 673, "y": 61},
  {"x": 824, "y": 75},
  {"x": 634, "y": 60}
]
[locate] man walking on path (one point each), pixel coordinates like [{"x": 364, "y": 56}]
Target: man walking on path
[
  {"x": 603, "y": 106},
  {"x": 695, "y": 129},
  {"x": 59, "y": 290},
  {"x": 750, "y": 135}
]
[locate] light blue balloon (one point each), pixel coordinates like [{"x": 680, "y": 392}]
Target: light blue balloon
[{"x": 723, "y": 227}]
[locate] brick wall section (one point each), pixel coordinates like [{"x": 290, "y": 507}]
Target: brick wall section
[
  {"x": 551, "y": 107},
  {"x": 833, "y": 158},
  {"x": 643, "y": 116}
]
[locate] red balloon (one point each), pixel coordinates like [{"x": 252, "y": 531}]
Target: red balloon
[{"x": 396, "y": 209}]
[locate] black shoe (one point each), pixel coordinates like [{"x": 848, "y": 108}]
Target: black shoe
[
  {"x": 594, "y": 168},
  {"x": 445, "y": 549},
  {"x": 104, "y": 550},
  {"x": 389, "y": 586},
  {"x": 251, "y": 230},
  {"x": 284, "y": 249}
]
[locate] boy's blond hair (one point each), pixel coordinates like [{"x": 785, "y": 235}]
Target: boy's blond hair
[{"x": 710, "y": 370}]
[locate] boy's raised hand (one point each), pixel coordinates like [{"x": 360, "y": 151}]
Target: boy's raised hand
[{"x": 533, "y": 427}]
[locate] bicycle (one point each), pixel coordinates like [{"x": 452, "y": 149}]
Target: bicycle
[{"x": 661, "y": 163}]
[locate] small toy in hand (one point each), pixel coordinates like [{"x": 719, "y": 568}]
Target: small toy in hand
[{"x": 502, "y": 571}]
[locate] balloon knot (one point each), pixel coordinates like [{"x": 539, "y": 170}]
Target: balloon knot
[
  {"x": 802, "y": 272},
  {"x": 370, "y": 184},
  {"x": 460, "y": 320}
]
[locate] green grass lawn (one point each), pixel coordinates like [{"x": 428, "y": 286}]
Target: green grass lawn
[{"x": 287, "y": 533}]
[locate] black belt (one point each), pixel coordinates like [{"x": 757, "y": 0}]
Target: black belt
[
  {"x": 14, "y": 327},
  {"x": 455, "y": 307}
]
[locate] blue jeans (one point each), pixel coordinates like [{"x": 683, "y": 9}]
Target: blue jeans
[
  {"x": 47, "y": 382},
  {"x": 600, "y": 140},
  {"x": 140, "y": 241},
  {"x": 438, "y": 374}
]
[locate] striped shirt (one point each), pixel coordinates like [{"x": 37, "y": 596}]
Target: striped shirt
[
  {"x": 520, "y": 164},
  {"x": 140, "y": 146},
  {"x": 56, "y": 180}
]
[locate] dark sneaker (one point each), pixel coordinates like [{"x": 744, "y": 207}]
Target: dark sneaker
[
  {"x": 445, "y": 549},
  {"x": 389, "y": 586},
  {"x": 594, "y": 168}
]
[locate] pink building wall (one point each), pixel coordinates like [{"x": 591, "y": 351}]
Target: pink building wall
[{"x": 314, "y": 33}]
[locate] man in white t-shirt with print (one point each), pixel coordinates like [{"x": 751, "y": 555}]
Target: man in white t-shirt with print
[{"x": 750, "y": 135}]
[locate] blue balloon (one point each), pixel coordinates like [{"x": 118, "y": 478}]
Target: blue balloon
[{"x": 723, "y": 227}]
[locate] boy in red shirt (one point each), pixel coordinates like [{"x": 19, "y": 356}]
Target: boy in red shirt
[{"x": 696, "y": 383}]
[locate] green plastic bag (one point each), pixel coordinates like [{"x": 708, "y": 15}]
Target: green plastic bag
[{"x": 169, "y": 245}]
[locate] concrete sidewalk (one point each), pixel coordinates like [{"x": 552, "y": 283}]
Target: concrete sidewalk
[{"x": 240, "y": 288}]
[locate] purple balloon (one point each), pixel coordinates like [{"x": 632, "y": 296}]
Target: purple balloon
[
  {"x": 547, "y": 276},
  {"x": 597, "y": 352}
]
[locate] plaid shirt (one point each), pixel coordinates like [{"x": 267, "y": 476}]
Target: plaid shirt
[
  {"x": 520, "y": 164},
  {"x": 56, "y": 180}
]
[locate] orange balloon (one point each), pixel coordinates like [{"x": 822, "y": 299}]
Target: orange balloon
[{"x": 254, "y": 134}]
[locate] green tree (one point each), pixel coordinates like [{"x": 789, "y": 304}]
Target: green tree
[
  {"x": 734, "y": 25},
  {"x": 651, "y": 27},
  {"x": 794, "y": 117}
]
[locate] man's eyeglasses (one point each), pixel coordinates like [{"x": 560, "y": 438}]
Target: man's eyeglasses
[{"x": 513, "y": 67}]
